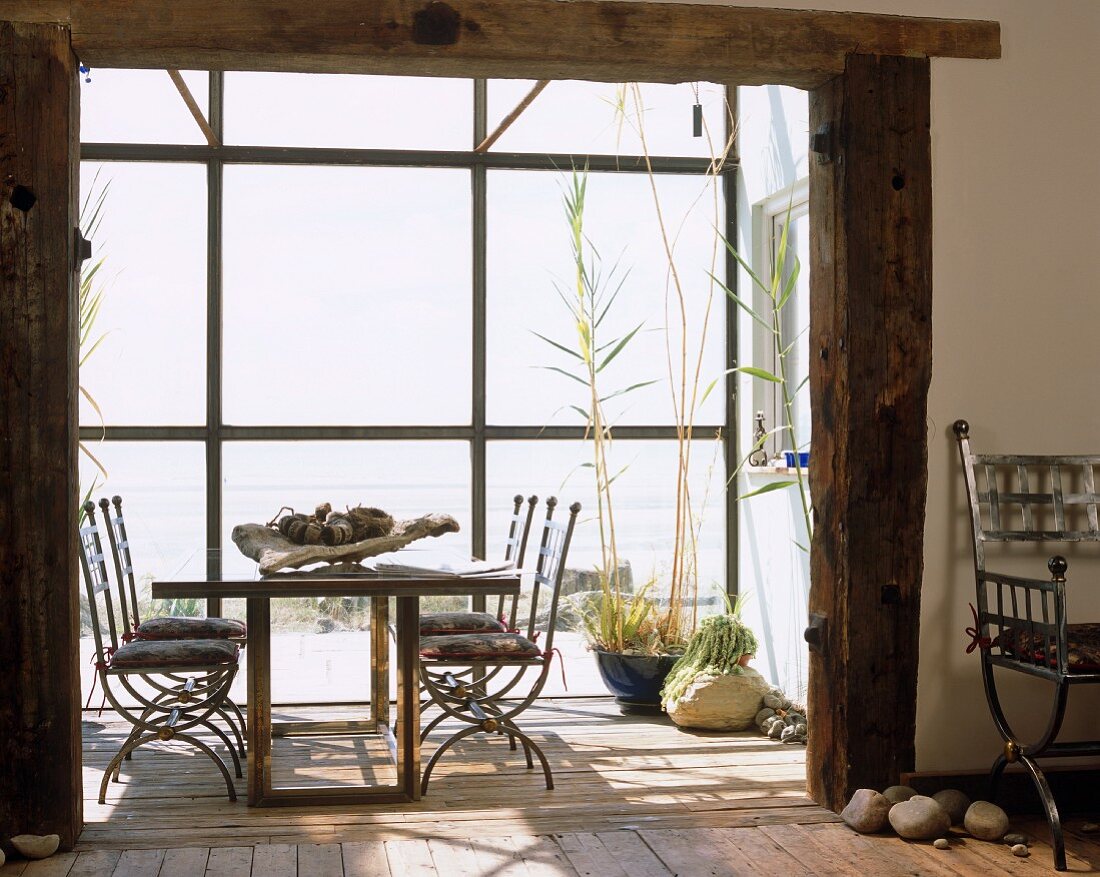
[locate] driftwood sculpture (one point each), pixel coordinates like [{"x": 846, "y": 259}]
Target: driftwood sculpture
[
  {"x": 274, "y": 551},
  {"x": 326, "y": 527}
]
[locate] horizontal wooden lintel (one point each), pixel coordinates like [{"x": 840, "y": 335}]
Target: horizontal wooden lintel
[{"x": 602, "y": 40}]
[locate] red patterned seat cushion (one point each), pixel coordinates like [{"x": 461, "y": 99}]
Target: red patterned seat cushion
[
  {"x": 191, "y": 628},
  {"x": 153, "y": 654},
  {"x": 1083, "y": 641},
  {"x": 446, "y": 623},
  {"x": 476, "y": 646}
]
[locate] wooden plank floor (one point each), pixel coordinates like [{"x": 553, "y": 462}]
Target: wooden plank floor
[{"x": 634, "y": 797}]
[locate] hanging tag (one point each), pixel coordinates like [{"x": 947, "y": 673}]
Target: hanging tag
[{"x": 697, "y": 120}]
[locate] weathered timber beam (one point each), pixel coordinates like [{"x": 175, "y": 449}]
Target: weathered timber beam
[
  {"x": 602, "y": 40},
  {"x": 40, "y": 772},
  {"x": 871, "y": 362}
]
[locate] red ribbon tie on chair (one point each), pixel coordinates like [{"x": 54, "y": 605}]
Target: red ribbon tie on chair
[{"x": 977, "y": 641}]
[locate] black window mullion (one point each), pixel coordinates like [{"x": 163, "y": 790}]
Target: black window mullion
[
  {"x": 478, "y": 474},
  {"x": 214, "y": 344}
]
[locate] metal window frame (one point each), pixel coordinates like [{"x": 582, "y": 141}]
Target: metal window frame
[{"x": 478, "y": 433}]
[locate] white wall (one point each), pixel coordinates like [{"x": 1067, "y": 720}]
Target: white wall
[
  {"x": 773, "y": 571},
  {"x": 1016, "y": 318}
]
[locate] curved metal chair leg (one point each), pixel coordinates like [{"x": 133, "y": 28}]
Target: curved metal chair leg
[
  {"x": 236, "y": 732},
  {"x": 529, "y": 743},
  {"x": 112, "y": 767},
  {"x": 509, "y": 729},
  {"x": 995, "y": 775},
  {"x": 1057, "y": 840},
  {"x": 195, "y": 741},
  {"x": 443, "y": 747},
  {"x": 431, "y": 726},
  {"x": 221, "y": 735},
  {"x": 240, "y": 719}
]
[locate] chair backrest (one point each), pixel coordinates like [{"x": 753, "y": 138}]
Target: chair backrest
[
  {"x": 1028, "y": 498},
  {"x": 124, "y": 563},
  {"x": 515, "y": 548},
  {"x": 96, "y": 581},
  {"x": 553, "y": 550}
]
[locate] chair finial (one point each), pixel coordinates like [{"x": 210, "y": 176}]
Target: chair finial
[
  {"x": 575, "y": 508},
  {"x": 961, "y": 428},
  {"x": 1058, "y": 566}
]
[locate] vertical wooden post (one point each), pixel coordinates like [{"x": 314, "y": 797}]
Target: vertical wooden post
[
  {"x": 871, "y": 349},
  {"x": 40, "y": 771}
]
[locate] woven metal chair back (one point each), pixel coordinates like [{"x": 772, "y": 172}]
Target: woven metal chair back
[
  {"x": 515, "y": 550},
  {"x": 115, "y": 526},
  {"x": 1028, "y": 498},
  {"x": 553, "y": 551},
  {"x": 97, "y": 583}
]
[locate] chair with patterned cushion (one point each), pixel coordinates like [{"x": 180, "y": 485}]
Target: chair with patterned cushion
[
  {"x": 178, "y": 685},
  {"x": 1022, "y": 623},
  {"x": 163, "y": 627},
  {"x": 469, "y": 675},
  {"x": 515, "y": 550}
]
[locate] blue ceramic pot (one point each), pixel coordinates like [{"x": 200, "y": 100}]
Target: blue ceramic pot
[{"x": 635, "y": 680}]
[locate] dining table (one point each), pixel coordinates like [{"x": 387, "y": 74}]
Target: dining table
[{"x": 202, "y": 578}]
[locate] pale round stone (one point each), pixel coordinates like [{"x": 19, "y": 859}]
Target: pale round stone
[
  {"x": 941, "y": 843},
  {"x": 919, "y": 818},
  {"x": 897, "y": 794},
  {"x": 721, "y": 703},
  {"x": 3, "y": 858},
  {"x": 954, "y": 803},
  {"x": 36, "y": 846},
  {"x": 986, "y": 821},
  {"x": 867, "y": 811},
  {"x": 1021, "y": 850}
]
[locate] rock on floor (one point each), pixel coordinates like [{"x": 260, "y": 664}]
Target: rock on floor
[
  {"x": 954, "y": 803},
  {"x": 919, "y": 818},
  {"x": 986, "y": 821},
  {"x": 867, "y": 811}
]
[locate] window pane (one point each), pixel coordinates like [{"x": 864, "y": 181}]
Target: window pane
[
  {"x": 530, "y": 258},
  {"x": 163, "y": 490},
  {"x": 347, "y": 295},
  {"x": 375, "y": 112},
  {"x": 321, "y": 648},
  {"x": 603, "y": 118},
  {"x": 149, "y": 368},
  {"x": 406, "y": 479},
  {"x": 140, "y": 106},
  {"x": 644, "y": 510}
]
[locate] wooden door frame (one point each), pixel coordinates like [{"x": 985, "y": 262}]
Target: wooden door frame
[{"x": 868, "y": 78}]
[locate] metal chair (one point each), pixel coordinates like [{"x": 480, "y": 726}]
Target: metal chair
[
  {"x": 162, "y": 628},
  {"x": 1022, "y": 623},
  {"x": 469, "y": 675},
  {"x": 189, "y": 679},
  {"x": 515, "y": 549}
]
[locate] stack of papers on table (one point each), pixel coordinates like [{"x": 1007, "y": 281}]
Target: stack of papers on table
[{"x": 439, "y": 563}]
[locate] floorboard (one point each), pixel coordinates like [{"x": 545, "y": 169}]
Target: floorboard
[{"x": 634, "y": 797}]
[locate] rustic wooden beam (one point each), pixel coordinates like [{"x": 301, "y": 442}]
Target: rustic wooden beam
[
  {"x": 193, "y": 108},
  {"x": 40, "y": 771},
  {"x": 871, "y": 338},
  {"x": 603, "y": 40}
]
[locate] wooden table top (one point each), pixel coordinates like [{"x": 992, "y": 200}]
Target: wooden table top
[{"x": 345, "y": 580}]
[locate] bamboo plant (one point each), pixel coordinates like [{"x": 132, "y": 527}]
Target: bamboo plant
[
  {"x": 90, "y": 301},
  {"x": 619, "y": 620}
]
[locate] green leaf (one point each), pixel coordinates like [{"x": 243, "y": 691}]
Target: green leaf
[
  {"x": 560, "y": 347},
  {"x": 626, "y": 390},
  {"x": 763, "y": 374},
  {"x": 748, "y": 268},
  {"x": 789, "y": 287},
  {"x": 582, "y": 413},
  {"x": 801, "y": 384},
  {"x": 561, "y": 371},
  {"x": 768, "y": 488},
  {"x": 742, "y": 304},
  {"x": 618, "y": 348}
]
